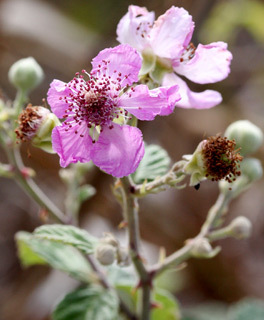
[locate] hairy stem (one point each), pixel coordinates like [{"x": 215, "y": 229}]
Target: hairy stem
[{"x": 130, "y": 210}]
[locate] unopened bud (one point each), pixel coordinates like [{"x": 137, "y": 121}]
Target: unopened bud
[
  {"x": 25, "y": 74},
  {"x": 248, "y": 136},
  {"x": 202, "y": 248},
  {"x": 123, "y": 256},
  {"x": 105, "y": 254},
  {"x": 110, "y": 239},
  {"x": 240, "y": 228},
  {"x": 36, "y": 125},
  {"x": 251, "y": 170}
]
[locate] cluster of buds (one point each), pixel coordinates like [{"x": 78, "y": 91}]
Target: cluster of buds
[
  {"x": 35, "y": 125},
  {"x": 109, "y": 250}
]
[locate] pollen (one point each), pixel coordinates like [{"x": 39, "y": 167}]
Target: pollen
[{"x": 221, "y": 159}]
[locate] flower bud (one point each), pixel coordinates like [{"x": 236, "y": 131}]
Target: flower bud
[
  {"x": 123, "y": 256},
  {"x": 251, "y": 170},
  {"x": 203, "y": 249},
  {"x": 215, "y": 159},
  {"x": 110, "y": 239},
  {"x": 240, "y": 228},
  {"x": 36, "y": 125},
  {"x": 248, "y": 136},
  {"x": 25, "y": 74},
  {"x": 105, "y": 254}
]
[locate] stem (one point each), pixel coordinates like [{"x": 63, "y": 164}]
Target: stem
[
  {"x": 130, "y": 210},
  {"x": 171, "y": 178},
  {"x": 31, "y": 187},
  {"x": 186, "y": 251},
  {"x": 104, "y": 282}
]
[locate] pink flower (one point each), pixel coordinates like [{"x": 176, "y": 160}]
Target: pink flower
[
  {"x": 96, "y": 111},
  {"x": 166, "y": 43}
]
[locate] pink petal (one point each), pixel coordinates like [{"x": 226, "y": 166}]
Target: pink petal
[
  {"x": 171, "y": 33},
  {"x": 118, "y": 151},
  {"x": 189, "y": 99},
  {"x": 135, "y": 22},
  {"x": 211, "y": 63},
  {"x": 145, "y": 104},
  {"x": 122, "y": 59},
  {"x": 58, "y": 89},
  {"x": 71, "y": 147}
]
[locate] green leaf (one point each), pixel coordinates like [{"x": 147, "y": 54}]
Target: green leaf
[
  {"x": 119, "y": 276},
  {"x": 247, "y": 309},
  {"x": 129, "y": 296},
  {"x": 73, "y": 236},
  {"x": 168, "y": 307},
  {"x": 154, "y": 163},
  {"x": 91, "y": 303},
  {"x": 33, "y": 250},
  {"x": 27, "y": 256}
]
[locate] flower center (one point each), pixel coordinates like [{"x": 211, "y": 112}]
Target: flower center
[
  {"x": 221, "y": 159},
  {"x": 94, "y": 101}
]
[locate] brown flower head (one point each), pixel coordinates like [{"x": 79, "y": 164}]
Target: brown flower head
[{"x": 221, "y": 159}]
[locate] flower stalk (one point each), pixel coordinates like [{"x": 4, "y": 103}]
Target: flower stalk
[{"x": 130, "y": 211}]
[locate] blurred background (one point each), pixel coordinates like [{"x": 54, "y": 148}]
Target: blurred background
[{"x": 63, "y": 36}]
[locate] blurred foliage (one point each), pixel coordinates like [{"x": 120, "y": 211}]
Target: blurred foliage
[
  {"x": 228, "y": 17},
  {"x": 94, "y": 14},
  {"x": 246, "y": 309}
]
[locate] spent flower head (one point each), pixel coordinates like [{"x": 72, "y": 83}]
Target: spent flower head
[
  {"x": 96, "y": 111},
  {"x": 35, "y": 125},
  {"x": 215, "y": 158},
  {"x": 167, "y": 51}
]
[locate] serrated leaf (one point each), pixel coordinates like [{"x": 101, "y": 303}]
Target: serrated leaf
[
  {"x": 155, "y": 163},
  {"x": 168, "y": 306},
  {"x": 33, "y": 250},
  {"x": 247, "y": 309},
  {"x": 71, "y": 235},
  {"x": 91, "y": 303}
]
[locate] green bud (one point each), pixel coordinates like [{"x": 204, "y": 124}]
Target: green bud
[
  {"x": 123, "y": 256},
  {"x": 203, "y": 249},
  {"x": 105, "y": 254},
  {"x": 251, "y": 171},
  {"x": 240, "y": 228},
  {"x": 26, "y": 74},
  {"x": 248, "y": 136},
  {"x": 36, "y": 125}
]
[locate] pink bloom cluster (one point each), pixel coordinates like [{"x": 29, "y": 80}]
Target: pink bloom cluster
[
  {"x": 96, "y": 112},
  {"x": 168, "y": 40}
]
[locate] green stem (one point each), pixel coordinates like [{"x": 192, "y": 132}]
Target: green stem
[
  {"x": 130, "y": 210},
  {"x": 31, "y": 187},
  {"x": 171, "y": 178},
  {"x": 180, "y": 256}
]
